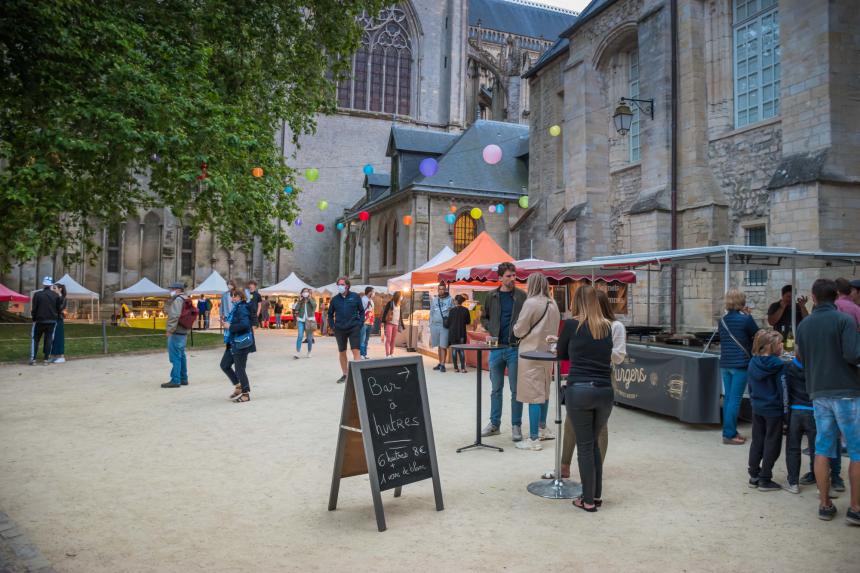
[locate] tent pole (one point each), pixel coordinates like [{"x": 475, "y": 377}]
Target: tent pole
[
  {"x": 410, "y": 347},
  {"x": 726, "y": 277},
  {"x": 648, "y": 298},
  {"x": 793, "y": 294}
]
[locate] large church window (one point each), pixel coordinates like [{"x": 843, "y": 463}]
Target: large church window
[
  {"x": 465, "y": 231},
  {"x": 757, "y": 61},
  {"x": 381, "y": 77}
]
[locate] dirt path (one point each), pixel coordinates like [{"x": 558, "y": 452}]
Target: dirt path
[{"x": 107, "y": 472}]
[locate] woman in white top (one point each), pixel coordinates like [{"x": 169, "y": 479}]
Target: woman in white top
[
  {"x": 619, "y": 352},
  {"x": 303, "y": 312}
]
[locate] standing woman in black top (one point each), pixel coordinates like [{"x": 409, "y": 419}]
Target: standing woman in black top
[
  {"x": 586, "y": 340},
  {"x": 58, "y": 346}
]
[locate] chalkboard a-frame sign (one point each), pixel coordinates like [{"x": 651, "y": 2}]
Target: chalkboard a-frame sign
[{"x": 385, "y": 430}]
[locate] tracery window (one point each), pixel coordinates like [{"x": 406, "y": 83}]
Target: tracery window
[
  {"x": 465, "y": 231},
  {"x": 381, "y": 78},
  {"x": 757, "y": 60}
]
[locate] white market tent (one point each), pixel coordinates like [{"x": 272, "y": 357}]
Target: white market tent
[
  {"x": 214, "y": 284},
  {"x": 292, "y": 285},
  {"x": 405, "y": 280},
  {"x": 76, "y": 291},
  {"x": 142, "y": 289},
  {"x": 331, "y": 289}
]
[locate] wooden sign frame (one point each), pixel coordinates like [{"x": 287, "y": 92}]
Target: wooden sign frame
[{"x": 355, "y": 453}]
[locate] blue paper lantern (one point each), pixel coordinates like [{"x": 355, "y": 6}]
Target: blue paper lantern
[
  {"x": 288, "y": 189},
  {"x": 428, "y": 167},
  {"x": 500, "y": 208},
  {"x": 298, "y": 222},
  {"x": 451, "y": 218},
  {"x": 368, "y": 169},
  {"x": 340, "y": 226}
]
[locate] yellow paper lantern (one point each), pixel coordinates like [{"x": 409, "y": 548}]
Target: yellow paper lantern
[
  {"x": 475, "y": 213},
  {"x": 555, "y": 131}
]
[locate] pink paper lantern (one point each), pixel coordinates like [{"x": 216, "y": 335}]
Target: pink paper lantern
[{"x": 492, "y": 154}]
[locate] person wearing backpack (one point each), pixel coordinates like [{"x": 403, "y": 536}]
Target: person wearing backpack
[{"x": 181, "y": 316}]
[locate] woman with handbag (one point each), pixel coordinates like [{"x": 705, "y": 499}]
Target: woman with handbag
[
  {"x": 239, "y": 342},
  {"x": 737, "y": 331},
  {"x": 392, "y": 319},
  {"x": 303, "y": 311},
  {"x": 539, "y": 319}
]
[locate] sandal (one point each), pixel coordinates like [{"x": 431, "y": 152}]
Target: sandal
[
  {"x": 243, "y": 398},
  {"x": 237, "y": 391},
  {"x": 581, "y": 505}
]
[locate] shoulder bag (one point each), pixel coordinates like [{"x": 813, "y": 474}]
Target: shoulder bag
[
  {"x": 732, "y": 336},
  {"x": 514, "y": 341},
  {"x": 446, "y": 320}
]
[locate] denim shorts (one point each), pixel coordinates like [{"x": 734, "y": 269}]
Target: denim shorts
[{"x": 834, "y": 415}]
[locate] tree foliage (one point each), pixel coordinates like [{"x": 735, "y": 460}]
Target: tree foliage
[{"x": 108, "y": 108}]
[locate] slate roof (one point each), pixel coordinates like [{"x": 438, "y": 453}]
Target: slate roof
[
  {"x": 462, "y": 168},
  {"x": 560, "y": 47},
  {"x": 378, "y": 179},
  {"x": 593, "y": 9},
  {"x": 419, "y": 140},
  {"x": 520, "y": 17}
]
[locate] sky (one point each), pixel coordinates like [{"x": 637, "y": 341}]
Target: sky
[{"x": 577, "y": 5}]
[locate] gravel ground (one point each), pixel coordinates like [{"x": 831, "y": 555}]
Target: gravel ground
[{"x": 107, "y": 472}]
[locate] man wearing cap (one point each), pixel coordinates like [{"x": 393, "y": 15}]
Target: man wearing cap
[
  {"x": 845, "y": 302},
  {"x": 176, "y": 338},
  {"x": 44, "y": 312}
]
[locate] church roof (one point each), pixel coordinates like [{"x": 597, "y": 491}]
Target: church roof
[
  {"x": 560, "y": 47},
  {"x": 419, "y": 140},
  {"x": 521, "y": 17},
  {"x": 462, "y": 168},
  {"x": 594, "y": 8}
]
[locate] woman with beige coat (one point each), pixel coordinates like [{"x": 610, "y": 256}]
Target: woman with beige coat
[{"x": 538, "y": 319}]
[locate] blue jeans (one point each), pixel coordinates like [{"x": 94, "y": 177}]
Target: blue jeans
[
  {"x": 277, "y": 320},
  {"x": 499, "y": 360},
  {"x": 537, "y": 418},
  {"x": 365, "y": 338},
  {"x": 458, "y": 357},
  {"x": 734, "y": 384},
  {"x": 176, "y": 353},
  {"x": 302, "y": 333},
  {"x": 832, "y": 416}
]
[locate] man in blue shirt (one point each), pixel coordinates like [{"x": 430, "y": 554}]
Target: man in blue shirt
[
  {"x": 501, "y": 310},
  {"x": 346, "y": 315}
]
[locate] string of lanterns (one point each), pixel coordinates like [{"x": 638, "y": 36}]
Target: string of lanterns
[{"x": 429, "y": 166}]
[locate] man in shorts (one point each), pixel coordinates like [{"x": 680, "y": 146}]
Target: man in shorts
[
  {"x": 829, "y": 346},
  {"x": 345, "y": 317}
]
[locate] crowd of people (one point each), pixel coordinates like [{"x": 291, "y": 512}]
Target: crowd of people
[{"x": 815, "y": 393}]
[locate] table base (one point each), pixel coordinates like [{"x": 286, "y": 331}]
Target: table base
[
  {"x": 555, "y": 489},
  {"x": 479, "y": 445}
]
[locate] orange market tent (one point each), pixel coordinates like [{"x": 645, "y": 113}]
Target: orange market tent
[{"x": 482, "y": 251}]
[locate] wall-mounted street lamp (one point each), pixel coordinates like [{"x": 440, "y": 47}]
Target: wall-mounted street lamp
[{"x": 623, "y": 116}]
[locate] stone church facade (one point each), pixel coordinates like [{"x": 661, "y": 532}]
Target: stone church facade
[
  {"x": 434, "y": 66},
  {"x": 767, "y": 140}
]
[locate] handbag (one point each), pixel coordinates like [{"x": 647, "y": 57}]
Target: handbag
[
  {"x": 732, "y": 336},
  {"x": 514, "y": 341},
  {"x": 242, "y": 341},
  {"x": 446, "y": 320}
]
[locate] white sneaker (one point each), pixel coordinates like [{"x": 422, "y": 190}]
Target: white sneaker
[
  {"x": 309, "y": 355},
  {"x": 791, "y": 488},
  {"x": 529, "y": 444},
  {"x": 59, "y": 360},
  {"x": 545, "y": 434}
]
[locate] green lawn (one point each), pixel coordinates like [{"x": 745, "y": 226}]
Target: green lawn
[{"x": 86, "y": 340}]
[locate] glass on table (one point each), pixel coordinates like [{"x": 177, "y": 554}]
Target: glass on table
[{"x": 492, "y": 341}]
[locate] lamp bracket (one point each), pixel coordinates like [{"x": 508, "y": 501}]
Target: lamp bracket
[{"x": 643, "y": 105}]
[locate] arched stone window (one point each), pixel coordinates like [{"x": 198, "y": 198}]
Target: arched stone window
[
  {"x": 395, "y": 235},
  {"x": 381, "y": 78},
  {"x": 384, "y": 247},
  {"x": 465, "y": 231}
]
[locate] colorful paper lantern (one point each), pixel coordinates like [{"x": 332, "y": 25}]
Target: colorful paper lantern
[
  {"x": 475, "y": 213},
  {"x": 288, "y": 189},
  {"x": 257, "y": 172},
  {"x": 500, "y": 208},
  {"x": 312, "y": 174},
  {"x": 453, "y": 208},
  {"x": 555, "y": 131},
  {"x": 298, "y": 222},
  {"x": 524, "y": 202},
  {"x": 428, "y": 167},
  {"x": 450, "y": 218},
  {"x": 492, "y": 209},
  {"x": 407, "y": 220},
  {"x": 322, "y": 205},
  {"x": 320, "y": 227},
  {"x": 492, "y": 154},
  {"x": 368, "y": 169},
  {"x": 340, "y": 226},
  {"x": 363, "y": 216}
]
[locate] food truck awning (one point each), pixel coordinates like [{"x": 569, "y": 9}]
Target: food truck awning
[
  {"x": 738, "y": 257},
  {"x": 142, "y": 289},
  {"x": 526, "y": 267},
  {"x": 482, "y": 251},
  {"x": 290, "y": 285},
  {"x": 404, "y": 281}
]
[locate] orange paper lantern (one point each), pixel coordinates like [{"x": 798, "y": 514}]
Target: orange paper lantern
[
  {"x": 453, "y": 208},
  {"x": 407, "y": 220},
  {"x": 257, "y": 172}
]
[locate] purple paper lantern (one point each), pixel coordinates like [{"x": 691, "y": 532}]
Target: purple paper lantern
[{"x": 428, "y": 167}]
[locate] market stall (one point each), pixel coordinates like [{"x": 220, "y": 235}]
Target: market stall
[
  {"x": 146, "y": 305},
  {"x": 213, "y": 287},
  {"x": 680, "y": 381},
  {"x": 77, "y": 293},
  {"x": 15, "y": 300},
  {"x": 287, "y": 292}
]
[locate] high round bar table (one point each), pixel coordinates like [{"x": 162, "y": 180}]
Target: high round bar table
[
  {"x": 556, "y": 488},
  {"x": 479, "y": 348}
]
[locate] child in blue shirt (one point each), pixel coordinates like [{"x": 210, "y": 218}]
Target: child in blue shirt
[{"x": 765, "y": 377}]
